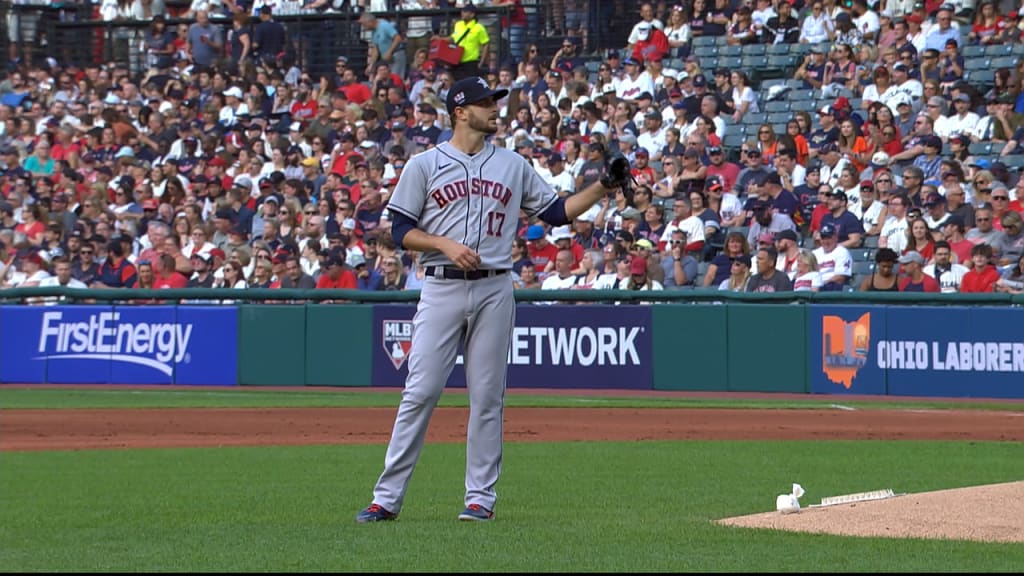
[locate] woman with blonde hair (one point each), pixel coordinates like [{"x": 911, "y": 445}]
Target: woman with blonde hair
[
  {"x": 739, "y": 275},
  {"x": 808, "y": 278},
  {"x": 591, "y": 268}
]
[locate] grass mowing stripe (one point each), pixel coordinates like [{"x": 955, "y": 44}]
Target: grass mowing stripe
[
  {"x": 61, "y": 398},
  {"x": 581, "y": 506}
]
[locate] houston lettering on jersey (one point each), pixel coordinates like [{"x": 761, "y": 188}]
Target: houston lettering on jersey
[{"x": 477, "y": 187}]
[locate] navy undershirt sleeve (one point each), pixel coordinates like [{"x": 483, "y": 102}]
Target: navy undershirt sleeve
[
  {"x": 555, "y": 214},
  {"x": 400, "y": 226}
]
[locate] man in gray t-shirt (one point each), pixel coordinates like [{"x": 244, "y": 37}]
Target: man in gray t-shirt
[
  {"x": 205, "y": 40},
  {"x": 768, "y": 279}
]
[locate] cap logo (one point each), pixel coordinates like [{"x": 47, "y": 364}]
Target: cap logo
[
  {"x": 460, "y": 98},
  {"x": 483, "y": 83}
]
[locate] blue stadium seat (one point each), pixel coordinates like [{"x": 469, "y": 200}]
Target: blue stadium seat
[
  {"x": 999, "y": 49},
  {"x": 980, "y": 148},
  {"x": 753, "y": 49},
  {"x": 863, "y": 267},
  {"x": 972, "y": 51},
  {"x": 756, "y": 118},
  {"x": 1013, "y": 161},
  {"x": 861, "y": 254},
  {"x": 1004, "y": 62},
  {"x": 871, "y": 241},
  {"x": 730, "y": 51},
  {"x": 777, "y": 106}
]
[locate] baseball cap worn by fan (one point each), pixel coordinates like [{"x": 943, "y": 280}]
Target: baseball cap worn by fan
[
  {"x": 911, "y": 256},
  {"x": 644, "y": 243},
  {"x": 535, "y": 232},
  {"x": 786, "y": 234},
  {"x": 470, "y": 91},
  {"x": 827, "y": 231}
]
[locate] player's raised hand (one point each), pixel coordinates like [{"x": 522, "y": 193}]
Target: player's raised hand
[{"x": 462, "y": 256}]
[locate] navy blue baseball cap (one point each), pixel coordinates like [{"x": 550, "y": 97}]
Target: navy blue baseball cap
[{"x": 470, "y": 91}]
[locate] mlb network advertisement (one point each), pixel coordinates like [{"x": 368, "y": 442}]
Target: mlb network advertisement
[
  {"x": 195, "y": 345},
  {"x": 559, "y": 346},
  {"x": 917, "y": 351}
]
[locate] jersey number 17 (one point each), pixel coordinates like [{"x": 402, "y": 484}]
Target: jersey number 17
[{"x": 495, "y": 222}]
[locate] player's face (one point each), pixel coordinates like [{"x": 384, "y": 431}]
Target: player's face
[{"x": 483, "y": 116}]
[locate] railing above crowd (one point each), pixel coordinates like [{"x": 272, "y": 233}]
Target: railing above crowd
[
  {"x": 73, "y": 32},
  {"x": 220, "y": 296}
]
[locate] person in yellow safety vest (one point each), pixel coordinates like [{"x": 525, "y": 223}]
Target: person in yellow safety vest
[{"x": 474, "y": 40}]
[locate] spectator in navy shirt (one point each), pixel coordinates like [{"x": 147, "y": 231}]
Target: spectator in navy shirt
[
  {"x": 849, "y": 230},
  {"x": 426, "y": 133},
  {"x": 783, "y": 201}
]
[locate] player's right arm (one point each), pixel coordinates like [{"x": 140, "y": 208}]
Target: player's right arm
[{"x": 406, "y": 205}]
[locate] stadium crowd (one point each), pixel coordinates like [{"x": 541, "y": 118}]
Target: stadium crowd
[{"x": 207, "y": 155}]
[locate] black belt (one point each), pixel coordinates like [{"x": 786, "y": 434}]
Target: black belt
[{"x": 449, "y": 273}]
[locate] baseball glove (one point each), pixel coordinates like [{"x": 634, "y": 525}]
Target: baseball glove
[{"x": 618, "y": 174}]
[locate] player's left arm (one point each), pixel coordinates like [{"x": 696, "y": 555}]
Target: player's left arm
[{"x": 541, "y": 200}]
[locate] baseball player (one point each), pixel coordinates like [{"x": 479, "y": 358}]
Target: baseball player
[{"x": 458, "y": 204}]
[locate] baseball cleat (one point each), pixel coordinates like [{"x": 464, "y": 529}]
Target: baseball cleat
[
  {"x": 476, "y": 513},
  {"x": 375, "y": 513}
]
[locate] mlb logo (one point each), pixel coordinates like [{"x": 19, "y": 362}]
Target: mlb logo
[{"x": 397, "y": 340}]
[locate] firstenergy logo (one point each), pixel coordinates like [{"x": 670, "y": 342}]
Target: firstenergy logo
[{"x": 103, "y": 337}]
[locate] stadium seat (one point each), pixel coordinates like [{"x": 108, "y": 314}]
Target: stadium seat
[
  {"x": 753, "y": 49},
  {"x": 980, "y": 148},
  {"x": 730, "y": 62},
  {"x": 871, "y": 241},
  {"x": 972, "y": 51},
  {"x": 980, "y": 78},
  {"x": 805, "y": 105},
  {"x": 778, "y": 49},
  {"x": 702, "y": 270},
  {"x": 733, "y": 143},
  {"x": 767, "y": 84},
  {"x": 777, "y": 106},
  {"x": 863, "y": 267},
  {"x": 756, "y": 118},
  {"x": 977, "y": 63},
  {"x": 783, "y": 63},
  {"x": 706, "y": 54},
  {"x": 730, "y": 51},
  {"x": 861, "y": 254},
  {"x": 1004, "y": 62},
  {"x": 1013, "y": 161},
  {"x": 735, "y": 129},
  {"x": 779, "y": 117},
  {"x": 998, "y": 50},
  {"x": 858, "y": 279},
  {"x": 800, "y": 94},
  {"x": 808, "y": 243},
  {"x": 702, "y": 41},
  {"x": 593, "y": 66}
]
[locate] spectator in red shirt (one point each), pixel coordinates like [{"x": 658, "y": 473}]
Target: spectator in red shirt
[
  {"x": 304, "y": 109},
  {"x": 336, "y": 275},
  {"x": 914, "y": 279},
  {"x": 539, "y": 249},
  {"x": 983, "y": 277},
  {"x": 165, "y": 275}
]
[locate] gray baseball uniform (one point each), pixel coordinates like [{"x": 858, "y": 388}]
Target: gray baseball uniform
[{"x": 474, "y": 200}]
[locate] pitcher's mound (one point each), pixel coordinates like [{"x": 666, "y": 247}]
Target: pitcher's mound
[{"x": 991, "y": 513}]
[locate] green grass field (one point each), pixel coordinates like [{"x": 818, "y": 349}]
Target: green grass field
[{"x": 579, "y": 506}]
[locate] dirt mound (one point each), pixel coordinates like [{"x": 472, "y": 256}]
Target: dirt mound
[{"x": 990, "y": 513}]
